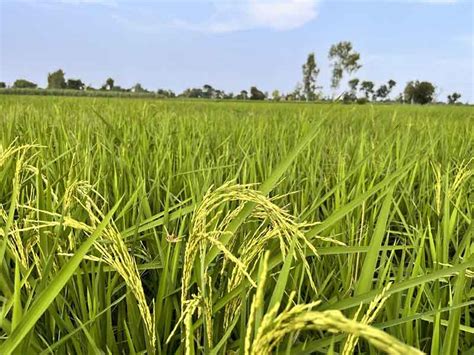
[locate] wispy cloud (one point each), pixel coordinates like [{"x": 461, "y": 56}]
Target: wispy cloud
[
  {"x": 233, "y": 15},
  {"x": 271, "y": 14}
]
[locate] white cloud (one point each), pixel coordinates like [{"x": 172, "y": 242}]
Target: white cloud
[
  {"x": 238, "y": 15},
  {"x": 242, "y": 15}
]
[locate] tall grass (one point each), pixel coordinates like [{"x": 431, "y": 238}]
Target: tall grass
[{"x": 135, "y": 226}]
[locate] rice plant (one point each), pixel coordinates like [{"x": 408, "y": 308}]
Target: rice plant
[{"x": 146, "y": 226}]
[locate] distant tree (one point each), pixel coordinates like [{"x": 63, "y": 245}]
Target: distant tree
[
  {"x": 455, "y": 96},
  {"x": 75, "y": 84},
  {"x": 352, "y": 95},
  {"x": 353, "y": 84},
  {"x": 419, "y": 92},
  {"x": 382, "y": 92},
  {"x": 243, "y": 95},
  {"x": 56, "y": 80},
  {"x": 344, "y": 59},
  {"x": 297, "y": 93},
  {"x": 229, "y": 96},
  {"x": 276, "y": 95},
  {"x": 138, "y": 88},
  {"x": 24, "y": 84},
  {"x": 310, "y": 74},
  {"x": 367, "y": 87},
  {"x": 391, "y": 84},
  {"x": 2, "y": 85},
  {"x": 166, "y": 93},
  {"x": 208, "y": 91},
  {"x": 256, "y": 94},
  {"x": 193, "y": 93},
  {"x": 109, "y": 84}
]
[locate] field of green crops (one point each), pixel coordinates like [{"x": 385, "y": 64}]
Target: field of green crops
[{"x": 160, "y": 227}]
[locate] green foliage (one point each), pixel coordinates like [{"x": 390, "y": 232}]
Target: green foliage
[
  {"x": 56, "y": 80},
  {"x": 382, "y": 92},
  {"x": 367, "y": 87},
  {"x": 344, "y": 59},
  {"x": 243, "y": 95},
  {"x": 24, "y": 84},
  {"x": 109, "y": 84},
  {"x": 256, "y": 94},
  {"x": 75, "y": 84},
  {"x": 310, "y": 74},
  {"x": 138, "y": 88},
  {"x": 393, "y": 183},
  {"x": 453, "y": 98},
  {"x": 276, "y": 95},
  {"x": 2, "y": 85},
  {"x": 419, "y": 92},
  {"x": 353, "y": 84}
]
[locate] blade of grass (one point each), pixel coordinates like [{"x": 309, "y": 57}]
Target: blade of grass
[{"x": 49, "y": 294}]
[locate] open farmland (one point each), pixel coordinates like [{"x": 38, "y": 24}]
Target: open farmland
[{"x": 132, "y": 226}]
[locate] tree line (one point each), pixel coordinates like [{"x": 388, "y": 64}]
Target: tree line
[{"x": 344, "y": 61}]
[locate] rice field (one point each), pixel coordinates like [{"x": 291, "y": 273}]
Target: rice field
[{"x": 200, "y": 227}]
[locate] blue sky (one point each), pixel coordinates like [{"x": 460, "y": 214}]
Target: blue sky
[{"x": 233, "y": 44}]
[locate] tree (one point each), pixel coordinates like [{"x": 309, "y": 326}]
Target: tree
[
  {"x": 2, "y": 85},
  {"x": 367, "y": 87},
  {"x": 310, "y": 74},
  {"x": 256, "y": 94},
  {"x": 243, "y": 95},
  {"x": 382, "y": 92},
  {"x": 109, "y": 84},
  {"x": 24, "y": 84},
  {"x": 138, "y": 88},
  {"x": 75, "y": 84},
  {"x": 192, "y": 93},
  {"x": 353, "y": 84},
  {"x": 276, "y": 95},
  {"x": 455, "y": 96},
  {"x": 351, "y": 96},
  {"x": 208, "y": 91},
  {"x": 297, "y": 93},
  {"x": 56, "y": 80},
  {"x": 166, "y": 93},
  {"x": 344, "y": 59},
  {"x": 391, "y": 84},
  {"x": 419, "y": 92}
]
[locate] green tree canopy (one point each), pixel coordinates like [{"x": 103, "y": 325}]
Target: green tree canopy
[
  {"x": 109, "y": 83},
  {"x": 56, "y": 80},
  {"x": 419, "y": 92},
  {"x": 256, "y": 94},
  {"x": 344, "y": 59},
  {"x": 455, "y": 96},
  {"x": 310, "y": 74},
  {"x": 75, "y": 84},
  {"x": 24, "y": 84},
  {"x": 367, "y": 87}
]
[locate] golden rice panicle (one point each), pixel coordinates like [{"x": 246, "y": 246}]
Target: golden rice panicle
[
  {"x": 114, "y": 252},
  {"x": 373, "y": 309},
  {"x": 299, "y": 318}
]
